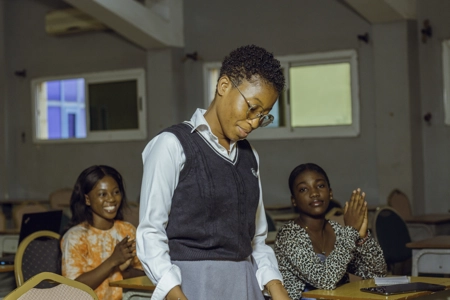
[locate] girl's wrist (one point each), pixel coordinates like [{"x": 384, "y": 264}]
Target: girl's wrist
[{"x": 362, "y": 240}]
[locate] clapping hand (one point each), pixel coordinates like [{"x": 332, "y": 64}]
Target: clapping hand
[
  {"x": 355, "y": 212},
  {"x": 124, "y": 252}
]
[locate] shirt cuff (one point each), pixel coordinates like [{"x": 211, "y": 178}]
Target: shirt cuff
[
  {"x": 266, "y": 274},
  {"x": 170, "y": 280}
]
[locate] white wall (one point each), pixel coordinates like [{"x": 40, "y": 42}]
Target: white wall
[
  {"x": 398, "y": 74},
  {"x": 436, "y": 136},
  {"x": 36, "y": 170}
]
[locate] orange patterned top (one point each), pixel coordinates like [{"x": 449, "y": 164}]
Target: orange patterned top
[{"x": 84, "y": 248}]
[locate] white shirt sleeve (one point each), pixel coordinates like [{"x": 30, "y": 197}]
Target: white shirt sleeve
[
  {"x": 163, "y": 159},
  {"x": 262, "y": 253}
]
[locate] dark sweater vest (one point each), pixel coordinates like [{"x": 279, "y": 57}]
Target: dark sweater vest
[{"x": 213, "y": 210}]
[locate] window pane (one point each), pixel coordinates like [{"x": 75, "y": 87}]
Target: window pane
[
  {"x": 320, "y": 95},
  {"x": 71, "y": 125},
  {"x": 54, "y": 90},
  {"x": 54, "y": 122},
  {"x": 113, "y": 105},
  {"x": 70, "y": 89}
]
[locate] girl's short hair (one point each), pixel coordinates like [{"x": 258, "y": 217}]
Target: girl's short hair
[
  {"x": 302, "y": 168},
  {"x": 86, "y": 181}
]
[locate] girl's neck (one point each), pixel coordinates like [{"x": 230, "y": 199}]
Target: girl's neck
[
  {"x": 102, "y": 224},
  {"x": 313, "y": 224}
]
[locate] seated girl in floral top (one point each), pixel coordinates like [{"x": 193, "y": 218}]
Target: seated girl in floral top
[
  {"x": 315, "y": 253},
  {"x": 99, "y": 247}
]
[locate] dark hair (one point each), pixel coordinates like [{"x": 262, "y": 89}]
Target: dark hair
[
  {"x": 302, "y": 168},
  {"x": 86, "y": 181},
  {"x": 247, "y": 61}
]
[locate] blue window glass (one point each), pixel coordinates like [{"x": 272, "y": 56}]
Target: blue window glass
[
  {"x": 70, "y": 90},
  {"x": 54, "y": 122},
  {"x": 54, "y": 90},
  {"x": 72, "y": 125}
]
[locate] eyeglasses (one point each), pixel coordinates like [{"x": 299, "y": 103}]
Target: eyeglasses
[{"x": 255, "y": 111}]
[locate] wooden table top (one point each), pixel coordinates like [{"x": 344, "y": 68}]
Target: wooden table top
[
  {"x": 429, "y": 219},
  {"x": 278, "y": 206},
  {"x": 436, "y": 242},
  {"x": 6, "y": 268},
  {"x": 12, "y": 231},
  {"x": 136, "y": 283},
  {"x": 284, "y": 217},
  {"x": 350, "y": 291},
  {"x": 21, "y": 200}
]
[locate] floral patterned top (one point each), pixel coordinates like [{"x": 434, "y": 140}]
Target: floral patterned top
[
  {"x": 300, "y": 265},
  {"x": 84, "y": 248}
]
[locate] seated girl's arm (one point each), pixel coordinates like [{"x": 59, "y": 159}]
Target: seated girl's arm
[
  {"x": 122, "y": 252},
  {"x": 294, "y": 248},
  {"x": 368, "y": 260},
  {"x": 132, "y": 272},
  {"x": 74, "y": 257}
]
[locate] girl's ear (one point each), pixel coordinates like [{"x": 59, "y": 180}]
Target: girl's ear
[
  {"x": 87, "y": 200},
  {"x": 293, "y": 201},
  {"x": 223, "y": 85},
  {"x": 331, "y": 194}
]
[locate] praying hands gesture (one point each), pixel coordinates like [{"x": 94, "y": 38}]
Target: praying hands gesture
[{"x": 355, "y": 212}]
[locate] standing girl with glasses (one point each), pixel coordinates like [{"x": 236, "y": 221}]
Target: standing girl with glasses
[
  {"x": 99, "y": 247},
  {"x": 203, "y": 227},
  {"x": 315, "y": 253}
]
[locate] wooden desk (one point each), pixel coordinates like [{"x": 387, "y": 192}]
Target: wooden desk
[
  {"x": 6, "y": 268},
  {"x": 136, "y": 286},
  {"x": 438, "y": 223},
  {"x": 431, "y": 255},
  {"x": 350, "y": 291}
]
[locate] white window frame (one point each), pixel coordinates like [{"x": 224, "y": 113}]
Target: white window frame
[
  {"x": 446, "y": 79},
  {"x": 105, "y": 135},
  {"x": 289, "y": 132}
]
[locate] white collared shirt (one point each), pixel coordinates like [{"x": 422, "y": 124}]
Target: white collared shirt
[{"x": 163, "y": 159}]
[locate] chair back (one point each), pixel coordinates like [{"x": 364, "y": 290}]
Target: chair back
[
  {"x": 60, "y": 199},
  {"x": 67, "y": 289},
  {"x": 400, "y": 202},
  {"x": 131, "y": 213},
  {"x": 392, "y": 234},
  {"x": 25, "y": 208},
  {"x": 38, "y": 252}
]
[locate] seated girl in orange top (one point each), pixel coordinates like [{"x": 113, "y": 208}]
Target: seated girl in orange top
[{"x": 99, "y": 247}]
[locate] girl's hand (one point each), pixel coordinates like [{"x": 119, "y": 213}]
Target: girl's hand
[
  {"x": 355, "y": 211},
  {"x": 277, "y": 290},
  {"x": 364, "y": 226},
  {"x": 123, "y": 253},
  {"x": 176, "y": 294},
  {"x": 125, "y": 265}
]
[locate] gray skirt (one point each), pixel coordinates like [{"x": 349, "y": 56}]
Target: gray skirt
[{"x": 207, "y": 279}]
